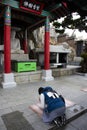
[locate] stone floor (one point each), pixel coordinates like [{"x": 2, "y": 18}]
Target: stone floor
[{"x": 20, "y": 97}]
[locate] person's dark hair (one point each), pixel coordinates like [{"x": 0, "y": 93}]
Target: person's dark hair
[{"x": 40, "y": 90}]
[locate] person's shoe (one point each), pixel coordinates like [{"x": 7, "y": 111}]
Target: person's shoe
[
  {"x": 63, "y": 120},
  {"x": 57, "y": 123}
]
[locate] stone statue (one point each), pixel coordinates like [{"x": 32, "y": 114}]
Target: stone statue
[{"x": 15, "y": 43}]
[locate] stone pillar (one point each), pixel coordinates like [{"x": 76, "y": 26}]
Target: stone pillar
[
  {"x": 47, "y": 72},
  {"x": 8, "y": 77},
  {"x": 57, "y": 58}
]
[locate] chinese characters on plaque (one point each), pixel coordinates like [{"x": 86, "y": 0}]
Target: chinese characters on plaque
[{"x": 32, "y": 6}]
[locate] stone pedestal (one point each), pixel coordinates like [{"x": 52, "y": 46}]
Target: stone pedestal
[
  {"x": 8, "y": 80},
  {"x": 47, "y": 75}
]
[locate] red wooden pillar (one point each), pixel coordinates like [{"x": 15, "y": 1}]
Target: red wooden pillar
[
  {"x": 25, "y": 47},
  {"x": 7, "y": 33},
  {"x": 46, "y": 45},
  {"x": 47, "y": 72},
  {"x": 8, "y": 77}
]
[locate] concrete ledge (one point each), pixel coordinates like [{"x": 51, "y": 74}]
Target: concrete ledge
[
  {"x": 35, "y": 76},
  {"x": 26, "y": 77},
  {"x": 69, "y": 70},
  {"x": 72, "y": 113}
]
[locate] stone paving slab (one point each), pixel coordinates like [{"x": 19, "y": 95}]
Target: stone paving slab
[{"x": 16, "y": 121}]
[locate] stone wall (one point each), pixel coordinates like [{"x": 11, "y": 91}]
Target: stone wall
[{"x": 36, "y": 76}]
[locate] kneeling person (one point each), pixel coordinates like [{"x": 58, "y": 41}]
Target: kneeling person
[{"x": 50, "y": 105}]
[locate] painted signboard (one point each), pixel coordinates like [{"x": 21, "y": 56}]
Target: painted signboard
[{"x": 32, "y": 6}]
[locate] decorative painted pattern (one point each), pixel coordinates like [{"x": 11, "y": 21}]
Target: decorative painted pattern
[
  {"x": 7, "y": 16},
  {"x": 47, "y": 26}
]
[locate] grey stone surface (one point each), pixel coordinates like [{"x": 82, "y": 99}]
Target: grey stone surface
[
  {"x": 80, "y": 123},
  {"x": 2, "y": 127},
  {"x": 23, "y": 95}
]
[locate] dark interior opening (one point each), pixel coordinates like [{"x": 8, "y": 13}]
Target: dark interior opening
[{"x": 62, "y": 57}]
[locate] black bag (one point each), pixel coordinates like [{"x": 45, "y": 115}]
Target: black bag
[{"x": 62, "y": 98}]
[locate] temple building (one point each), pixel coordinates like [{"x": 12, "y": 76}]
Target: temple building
[{"x": 18, "y": 19}]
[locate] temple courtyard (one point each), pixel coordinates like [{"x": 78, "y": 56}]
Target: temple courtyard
[{"x": 14, "y": 104}]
